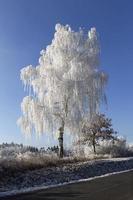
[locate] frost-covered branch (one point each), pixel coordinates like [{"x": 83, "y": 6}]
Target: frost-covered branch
[{"x": 67, "y": 82}]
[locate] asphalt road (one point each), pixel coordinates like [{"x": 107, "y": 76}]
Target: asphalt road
[{"x": 115, "y": 187}]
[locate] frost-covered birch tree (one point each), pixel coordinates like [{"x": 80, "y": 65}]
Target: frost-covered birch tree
[
  {"x": 66, "y": 86},
  {"x": 98, "y": 128}
]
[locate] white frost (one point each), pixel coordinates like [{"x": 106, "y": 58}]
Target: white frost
[{"x": 67, "y": 84}]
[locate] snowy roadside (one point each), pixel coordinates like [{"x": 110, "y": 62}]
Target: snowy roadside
[{"x": 62, "y": 175}]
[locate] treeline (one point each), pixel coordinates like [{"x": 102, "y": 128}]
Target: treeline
[{"x": 23, "y": 148}]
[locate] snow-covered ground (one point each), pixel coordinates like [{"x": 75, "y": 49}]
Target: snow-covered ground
[{"x": 55, "y": 176}]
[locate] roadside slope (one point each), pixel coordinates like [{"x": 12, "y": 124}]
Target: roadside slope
[
  {"x": 47, "y": 177},
  {"x": 115, "y": 187}
]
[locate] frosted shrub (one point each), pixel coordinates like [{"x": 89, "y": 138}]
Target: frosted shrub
[
  {"x": 88, "y": 151},
  {"x": 78, "y": 151},
  {"x": 118, "y": 148},
  {"x": 82, "y": 151},
  {"x": 105, "y": 147}
]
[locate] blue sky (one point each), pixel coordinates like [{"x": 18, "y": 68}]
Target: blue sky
[{"x": 27, "y": 26}]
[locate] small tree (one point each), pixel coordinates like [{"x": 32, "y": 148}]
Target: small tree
[{"x": 97, "y": 129}]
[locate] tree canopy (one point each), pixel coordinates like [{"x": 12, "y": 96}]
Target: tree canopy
[
  {"x": 97, "y": 129},
  {"x": 66, "y": 85}
]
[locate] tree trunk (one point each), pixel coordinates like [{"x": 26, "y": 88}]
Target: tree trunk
[
  {"x": 94, "y": 144},
  {"x": 60, "y": 139},
  {"x": 94, "y": 148}
]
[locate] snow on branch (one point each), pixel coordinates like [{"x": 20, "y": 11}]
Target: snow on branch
[{"x": 66, "y": 85}]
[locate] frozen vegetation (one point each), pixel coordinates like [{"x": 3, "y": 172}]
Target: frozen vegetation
[
  {"x": 14, "y": 157},
  {"x": 28, "y": 167}
]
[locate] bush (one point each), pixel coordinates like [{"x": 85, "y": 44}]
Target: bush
[{"x": 118, "y": 148}]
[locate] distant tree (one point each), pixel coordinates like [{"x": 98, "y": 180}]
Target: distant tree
[
  {"x": 65, "y": 86},
  {"x": 97, "y": 129},
  {"x": 54, "y": 149}
]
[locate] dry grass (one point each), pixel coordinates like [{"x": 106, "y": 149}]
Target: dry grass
[{"x": 32, "y": 161}]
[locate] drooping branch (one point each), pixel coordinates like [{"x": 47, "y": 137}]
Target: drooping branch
[{"x": 67, "y": 84}]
